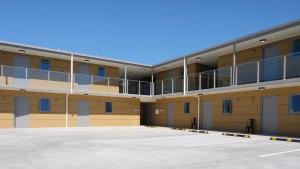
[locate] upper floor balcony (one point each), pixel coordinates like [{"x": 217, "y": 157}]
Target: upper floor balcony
[
  {"x": 269, "y": 71},
  {"x": 21, "y": 78}
]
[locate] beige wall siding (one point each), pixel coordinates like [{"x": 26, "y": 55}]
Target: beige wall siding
[
  {"x": 126, "y": 111},
  {"x": 248, "y": 105},
  {"x": 181, "y": 119},
  {"x": 254, "y": 54}
]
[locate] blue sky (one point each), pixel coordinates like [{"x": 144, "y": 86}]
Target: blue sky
[{"x": 141, "y": 31}]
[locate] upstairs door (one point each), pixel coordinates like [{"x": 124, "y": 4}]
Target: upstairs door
[
  {"x": 83, "y": 77},
  {"x": 271, "y": 66},
  {"x": 19, "y": 71}
]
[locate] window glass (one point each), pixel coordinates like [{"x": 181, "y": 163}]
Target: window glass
[
  {"x": 44, "y": 105},
  {"x": 296, "y": 46},
  {"x": 227, "y": 106},
  {"x": 108, "y": 107},
  {"x": 295, "y": 104},
  {"x": 101, "y": 71},
  {"x": 186, "y": 107},
  {"x": 45, "y": 64}
]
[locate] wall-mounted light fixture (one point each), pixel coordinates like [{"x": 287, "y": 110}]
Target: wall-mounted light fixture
[
  {"x": 86, "y": 60},
  {"x": 263, "y": 40},
  {"x": 85, "y": 94},
  {"x": 262, "y": 88},
  {"x": 22, "y": 51},
  {"x": 22, "y": 90}
]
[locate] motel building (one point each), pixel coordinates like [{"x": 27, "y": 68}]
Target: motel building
[{"x": 249, "y": 84}]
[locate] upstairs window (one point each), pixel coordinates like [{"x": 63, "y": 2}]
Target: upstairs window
[
  {"x": 45, "y": 105},
  {"x": 296, "y": 46},
  {"x": 186, "y": 107},
  {"x": 108, "y": 107},
  {"x": 45, "y": 64},
  {"x": 295, "y": 104},
  {"x": 227, "y": 106},
  {"x": 101, "y": 71}
]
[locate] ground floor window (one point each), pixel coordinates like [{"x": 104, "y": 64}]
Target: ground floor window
[
  {"x": 227, "y": 106},
  {"x": 295, "y": 104},
  {"x": 186, "y": 107},
  {"x": 108, "y": 107},
  {"x": 45, "y": 105}
]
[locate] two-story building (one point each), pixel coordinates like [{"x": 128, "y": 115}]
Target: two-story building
[{"x": 250, "y": 84}]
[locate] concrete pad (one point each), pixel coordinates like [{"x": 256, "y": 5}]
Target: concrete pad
[{"x": 140, "y": 147}]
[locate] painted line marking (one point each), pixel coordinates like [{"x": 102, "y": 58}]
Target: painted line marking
[
  {"x": 278, "y": 153},
  {"x": 226, "y": 142}
]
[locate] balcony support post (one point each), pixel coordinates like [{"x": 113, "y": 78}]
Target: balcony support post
[
  {"x": 125, "y": 78},
  {"x": 162, "y": 87},
  {"x": 184, "y": 75},
  {"x": 284, "y": 67},
  {"x": 214, "y": 78},
  {"x": 108, "y": 83},
  {"x": 72, "y": 75},
  {"x": 200, "y": 81},
  {"x": 139, "y": 87},
  {"x": 172, "y": 85},
  {"x": 234, "y": 76},
  {"x": 152, "y": 85}
]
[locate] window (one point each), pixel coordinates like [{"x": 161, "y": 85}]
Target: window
[
  {"x": 101, "y": 71},
  {"x": 45, "y": 64},
  {"x": 295, "y": 104},
  {"x": 108, "y": 107},
  {"x": 44, "y": 105},
  {"x": 296, "y": 46},
  {"x": 227, "y": 106},
  {"x": 186, "y": 107}
]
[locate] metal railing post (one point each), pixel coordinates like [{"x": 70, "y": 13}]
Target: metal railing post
[
  {"x": 162, "y": 87},
  {"x": 200, "y": 81},
  {"x": 139, "y": 87},
  {"x": 214, "y": 78},
  {"x": 108, "y": 84},
  {"x": 284, "y": 67},
  {"x": 48, "y": 74},
  {"x": 126, "y": 86},
  {"x": 235, "y": 75},
  {"x": 26, "y": 73},
  {"x": 257, "y": 72},
  {"x": 172, "y": 85},
  {"x": 1, "y": 66}
]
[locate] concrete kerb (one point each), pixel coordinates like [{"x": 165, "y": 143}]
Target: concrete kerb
[{"x": 287, "y": 139}]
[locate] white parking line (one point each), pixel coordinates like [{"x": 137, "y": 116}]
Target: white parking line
[
  {"x": 278, "y": 153},
  {"x": 226, "y": 142}
]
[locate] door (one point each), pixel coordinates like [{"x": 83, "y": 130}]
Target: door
[
  {"x": 19, "y": 71},
  {"x": 21, "y": 112},
  {"x": 269, "y": 115},
  {"x": 83, "y": 77},
  {"x": 272, "y": 64},
  {"x": 207, "y": 115},
  {"x": 170, "y": 113},
  {"x": 83, "y": 113}
]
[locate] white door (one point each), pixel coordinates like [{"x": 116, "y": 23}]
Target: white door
[
  {"x": 21, "y": 111},
  {"x": 83, "y": 112},
  {"x": 19, "y": 71},
  {"x": 207, "y": 115},
  {"x": 170, "y": 113},
  {"x": 272, "y": 64},
  {"x": 83, "y": 77},
  {"x": 269, "y": 115}
]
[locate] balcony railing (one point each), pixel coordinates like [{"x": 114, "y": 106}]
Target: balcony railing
[
  {"x": 28, "y": 78},
  {"x": 270, "y": 69}
]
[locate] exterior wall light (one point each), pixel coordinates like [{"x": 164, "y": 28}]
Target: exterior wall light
[{"x": 263, "y": 41}]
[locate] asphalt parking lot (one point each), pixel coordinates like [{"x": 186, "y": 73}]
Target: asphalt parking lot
[{"x": 140, "y": 147}]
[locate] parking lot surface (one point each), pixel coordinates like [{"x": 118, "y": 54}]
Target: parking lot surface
[{"x": 140, "y": 148}]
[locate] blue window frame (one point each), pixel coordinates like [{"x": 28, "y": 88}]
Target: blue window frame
[
  {"x": 227, "y": 106},
  {"x": 108, "y": 107},
  {"x": 296, "y": 46},
  {"x": 45, "y": 105},
  {"x": 101, "y": 71},
  {"x": 186, "y": 107},
  {"x": 45, "y": 64},
  {"x": 295, "y": 104}
]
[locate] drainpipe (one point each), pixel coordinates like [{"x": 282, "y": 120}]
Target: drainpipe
[{"x": 184, "y": 76}]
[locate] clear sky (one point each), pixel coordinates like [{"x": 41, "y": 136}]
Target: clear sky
[{"x": 144, "y": 31}]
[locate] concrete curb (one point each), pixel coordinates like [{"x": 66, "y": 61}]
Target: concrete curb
[
  {"x": 237, "y": 135},
  {"x": 285, "y": 139}
]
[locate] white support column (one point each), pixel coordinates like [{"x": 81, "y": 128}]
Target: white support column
[
  {"x": 48, "y": 75},
  {"x": 172, "y": 85},
  {"x": 200, "y": 81},
  {"x": 108, "y": 83},
  {"x": 139, "y": 87},
  {"x": 198, "y": 113},
  {"x": 257, "y": 72},
  {"x": 67, "y": 109},
  {"x": 71, "y": 72},
  {"x": 214, "y": 78},
  {"x": 152, "y": 85},
  {"x": 234, "y": 65},
  {"x": 125, "y": 78},
  {"x": 162, "y": 87},
  {"x": 284, "y": 67},
  {"x": 184, "y": 75}
]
